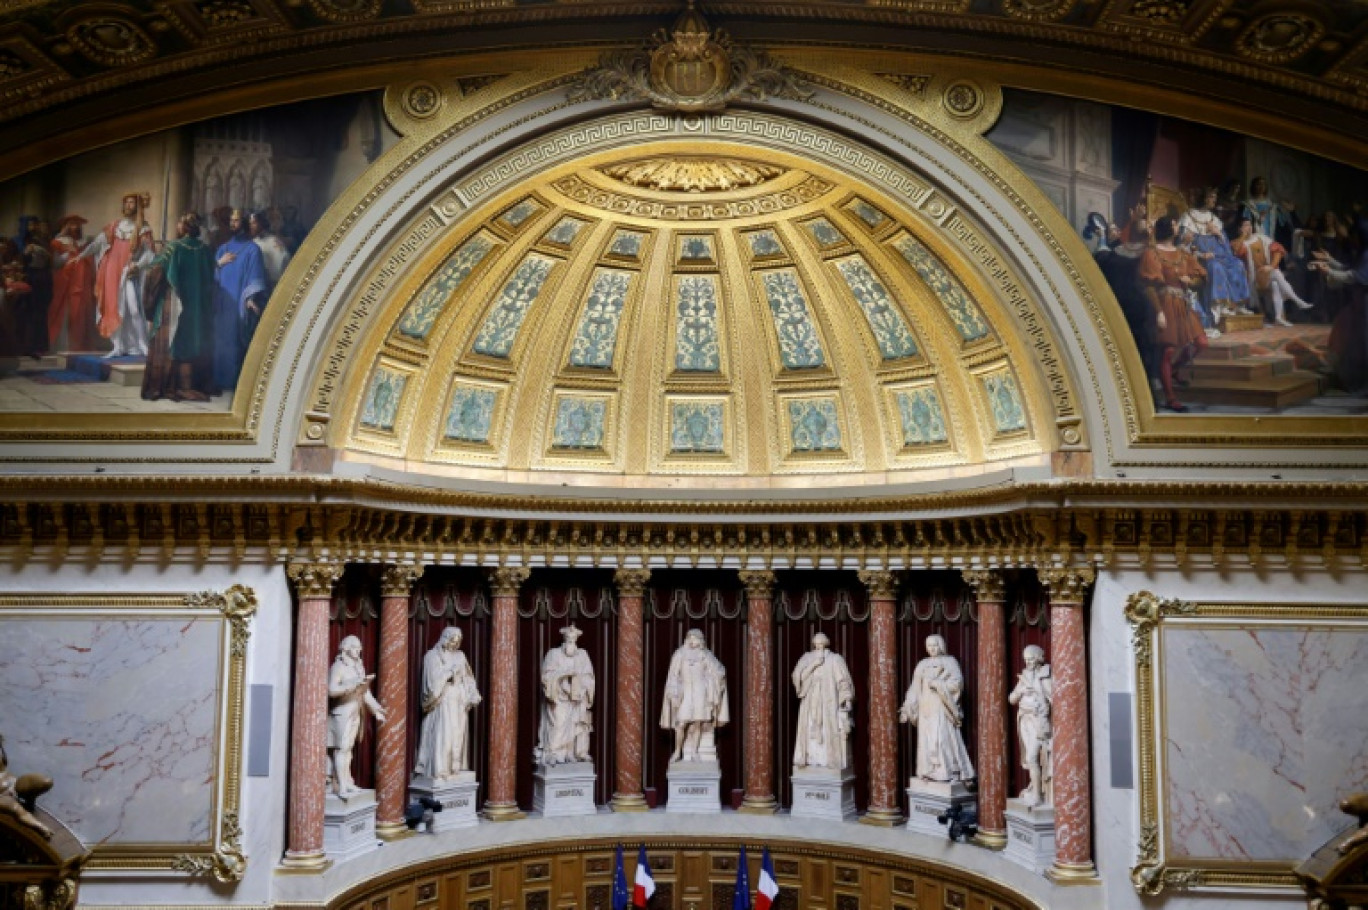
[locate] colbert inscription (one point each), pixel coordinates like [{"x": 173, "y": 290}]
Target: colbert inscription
[{"x": 694, "y": 791}]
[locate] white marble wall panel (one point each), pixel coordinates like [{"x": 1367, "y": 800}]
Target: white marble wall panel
[
  {"x": 123, "y": 714},
  {"x": 1265, "y": 733}
]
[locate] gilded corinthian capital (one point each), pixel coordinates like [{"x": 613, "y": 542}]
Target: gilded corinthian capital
[
  {"x": 398, "y": 580},
  {"x": 1067, "y": 585},
  {"x": 507, "y": 580},
  {"x": 758, "y": 584},
  {"x": 631, "y": 582},
  {"x": 882, "y": 585},
  {"x": 987, "y": 584},
  {"x": 314, "y": 579}
]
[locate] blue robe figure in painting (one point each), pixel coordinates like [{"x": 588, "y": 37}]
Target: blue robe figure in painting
[{"x": 238, "y": 300}]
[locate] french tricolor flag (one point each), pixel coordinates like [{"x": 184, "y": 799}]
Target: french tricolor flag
[
  {"x": 644, "y": 886},
  {"x": 766, "y": 889}
]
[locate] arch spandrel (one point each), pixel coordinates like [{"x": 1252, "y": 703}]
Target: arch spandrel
[{"x": 850, "y": 337}]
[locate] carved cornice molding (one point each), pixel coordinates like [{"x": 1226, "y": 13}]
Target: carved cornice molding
[
  {"x": 507, "y": 581},
  {"x": 987, "y": 584},
  {"x": 631, "y": 582},
  {"x": 881, "y": 585},
  {"x": 759, "y": 585},
  {"x": 397, "y": 581},
  {"x": 314, "y": 579},
  {"x": 1066, "y": 585}
]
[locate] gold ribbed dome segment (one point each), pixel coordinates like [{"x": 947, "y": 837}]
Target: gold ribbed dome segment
[{"x": 716, "y": 316}]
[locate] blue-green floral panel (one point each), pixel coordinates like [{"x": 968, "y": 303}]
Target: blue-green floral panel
[
  {"x": 579, "y": 423},
  {"x": 868, "y": 213},
  {"x": 923, "y": 421},
  {"x": 799, "y": 347},
  {"x": 564, "y": 232},
  {"x": 423, "y": 311},
  {"x": 1005, "y": 402},
  {"x": 813, "y": 425},
  {"x": 696, "y": 427},
  {"x": 519, "y": 213},
  {"x": 472, "y": 412},
  {"x": 382, "y": 400},
  {"x": 596, "y": 339},
  {"x": 501, "y": 326},
  {"x": 696, "y": 347},
  {"x": 890, "y": 330},
  {"x": 695, "y": 249},
  {"x": 966, "y": 316},
  {"x": 764, "y": 243},
  {"x": 627, "y": 244},
  {"x": 824, "y": 232}
]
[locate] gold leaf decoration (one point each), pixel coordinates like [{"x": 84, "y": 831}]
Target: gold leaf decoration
[{"x": 693, "y": 175}]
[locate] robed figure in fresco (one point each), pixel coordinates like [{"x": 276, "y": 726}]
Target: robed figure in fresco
[
  {"x": 933, "y": 705},
  {"x": 178, "y": 303},
  {"x": 826, "y": 695},
  {"x": 449, "y": 693},
  {"x": 238, "y": 301},
  {"x": 71, "y": 318},
  {"x": 568, "y": 686},
  {"x": 695, "y": 699},
  {"x": 120, "y": 250}
]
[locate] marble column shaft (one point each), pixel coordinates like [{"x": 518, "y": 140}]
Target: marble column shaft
[
  {"x": 502, "y": 802},
  {"x": 631, "y": 712},
  {"x": 1069, "y": 714},
  {"x": 391, "y": 785},
  {"x": 759, "y": 798},
  {"x": 991, "y": 708},
  {"x": 883, "y": 700},
  {"x": 309, "y": 718}
]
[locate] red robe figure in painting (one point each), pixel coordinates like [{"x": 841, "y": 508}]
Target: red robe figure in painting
[
  {"x": 73, "y": 290},
  {"x": 118, "y": 288},
  {"x": 1167, "y": 273}
]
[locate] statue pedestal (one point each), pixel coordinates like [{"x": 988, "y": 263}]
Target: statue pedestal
[
  {"x": 927, "y": 799},
  {"x": 565, "y": 789},
  {"x": 349, "y": 825},
  {"x": 694, "y": 786},
  {"x": 1030, "y": 836},
  {"x": 824, "y": 793},
  {"x": 457, "y": 796}
]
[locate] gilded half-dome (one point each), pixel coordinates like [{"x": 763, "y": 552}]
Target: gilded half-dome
[{"x": 706, "y": 318}]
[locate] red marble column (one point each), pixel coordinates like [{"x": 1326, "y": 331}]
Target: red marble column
[
  {"x": 631, "y": 712},
  {"x": 991, "y": 709},
  {"x": 392, "y": 738},
  {"x": 1069, "y": 713},
  {"x": 313, "y": 584},
  {"x": 883, "y": 701},
  {"x": 759, "y": 744},
  {"x": 502, "y": 803}
]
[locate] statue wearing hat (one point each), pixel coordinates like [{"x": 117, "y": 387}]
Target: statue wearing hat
[{"x": 568, "y": 684}]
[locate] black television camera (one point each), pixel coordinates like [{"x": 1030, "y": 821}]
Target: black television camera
[
  {"x": 420, "y": 812},
  {"x": 962, "y": 822}
]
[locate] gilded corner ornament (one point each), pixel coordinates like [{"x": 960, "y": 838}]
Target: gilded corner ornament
[
  {"x": 227, "y": 864},
  {"x": 689, "y": 69},
  {"x": 238, "y": 605},
  {"x": 1144, "y": 611}
]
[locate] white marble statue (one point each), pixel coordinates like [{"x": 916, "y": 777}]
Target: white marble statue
[
  {"x": 695, "y": 699},
  {"x": 827, "y": 694},
  {"x": 567, "y": 680},
  {"x": 349, "y": 697},
  {"x": 449, "y": 693},
  {"x": 933, "y": 705},
  {"x": 1033, "y": 696}
]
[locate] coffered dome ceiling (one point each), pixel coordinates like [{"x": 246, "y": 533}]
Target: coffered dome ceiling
[{"x": 720, "y": 315}]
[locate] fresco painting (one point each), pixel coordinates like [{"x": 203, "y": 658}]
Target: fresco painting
[{"x": 132, "y": 278}]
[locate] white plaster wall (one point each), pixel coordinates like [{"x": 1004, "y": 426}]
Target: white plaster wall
[
  {"x": 263, "y": 798},
  {"x": 1111, "y": 666}
]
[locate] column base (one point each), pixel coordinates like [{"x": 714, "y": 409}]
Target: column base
[
  {"x": 392, "y": 831},
  {"x": 628, "y": 802},
  {"x": 1073, "y": 874},
  {"x": 991, "y": 840},
  {"x": 502, "y": 812},
  {"x": 765, "y": 805},
  {"x": 883, "y": 818},
  {"x": 304, "y": 864}
]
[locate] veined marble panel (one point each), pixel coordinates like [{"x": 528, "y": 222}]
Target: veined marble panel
[
  {"x": 696, "y": 348},
  {"x": 500, "y": 329},
  {"x": 471, "y": 413},
  {"x": 885, "y": 321},
  {"x": 123, "y": 715},
  {"x": 596, "y": 338},
  {"x": 1255, "y": 765},
  {"x": 799, "y": 348},
  {"x": 382, "y": 399},
  {"x": 422, "y": 313},
  {"x": 963, "y": 312},
  {"x": 1004, "y": 401}
]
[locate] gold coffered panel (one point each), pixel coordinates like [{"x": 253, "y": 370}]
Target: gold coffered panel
[{"x": 682, "y": 310}]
